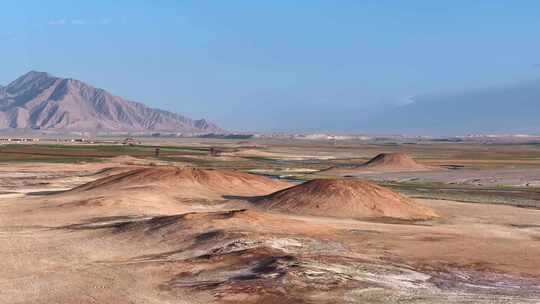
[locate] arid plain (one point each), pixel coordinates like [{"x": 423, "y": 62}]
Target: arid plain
[{"x": 270, "y": 221}]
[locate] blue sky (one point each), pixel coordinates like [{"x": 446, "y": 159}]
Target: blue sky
[{"x": 273, "y": 65}]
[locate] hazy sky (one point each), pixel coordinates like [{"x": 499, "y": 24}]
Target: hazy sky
[{"x": 273, "y": 65}]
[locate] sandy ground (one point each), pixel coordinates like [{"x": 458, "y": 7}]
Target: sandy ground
[{"x": 153, "y": 247}]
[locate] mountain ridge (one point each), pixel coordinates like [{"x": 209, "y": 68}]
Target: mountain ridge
[{"x": 38, "y": 100}]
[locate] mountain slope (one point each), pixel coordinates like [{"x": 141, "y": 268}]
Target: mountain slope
[
  {"x": 40, "y": 101},
  {"x": 503, "y": 109}
]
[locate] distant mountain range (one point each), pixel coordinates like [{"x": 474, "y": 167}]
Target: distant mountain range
[
  {"x": 510, "y": 109},
  {"x": 38, "y": 100}
]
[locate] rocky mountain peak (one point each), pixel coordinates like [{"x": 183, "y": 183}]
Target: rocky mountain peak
[{"x": 41, "y": 101}]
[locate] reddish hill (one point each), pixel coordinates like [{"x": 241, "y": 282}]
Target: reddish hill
[
  {"x": 186, "y": 182},
  {"x": 394, "y": 161},
  {"x": 346, "y": 199},
  {"x": 384, "y": 162}
]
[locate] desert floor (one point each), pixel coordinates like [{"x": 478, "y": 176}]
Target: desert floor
[{"x": 148, "y": 243}]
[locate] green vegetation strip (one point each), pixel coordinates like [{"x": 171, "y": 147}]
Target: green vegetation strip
[{"x": 87, "y": 152}]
